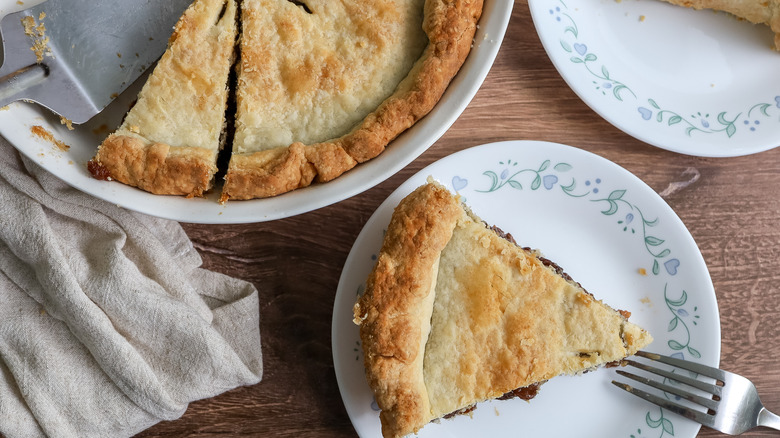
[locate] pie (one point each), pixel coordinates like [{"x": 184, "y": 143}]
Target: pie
[
  {"x": 169, "y": 140},
  {"x": 456, "y": 313},
  {"x": 319, "y": 87},
  {"x": 755, "y": 11}
]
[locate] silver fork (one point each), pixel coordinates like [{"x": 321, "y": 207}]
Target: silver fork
[{"x": 732, "y": 407}]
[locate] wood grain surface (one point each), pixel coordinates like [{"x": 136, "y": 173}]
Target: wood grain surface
[{"x": 732, "y": 210}]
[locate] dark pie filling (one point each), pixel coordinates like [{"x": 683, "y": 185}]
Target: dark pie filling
[{"x": 525, "y": 393}]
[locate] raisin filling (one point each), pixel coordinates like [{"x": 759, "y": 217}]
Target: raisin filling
[{"x": 525, "y": 393}]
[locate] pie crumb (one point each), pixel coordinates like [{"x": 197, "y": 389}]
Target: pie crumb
[
  {"x": 41, "y": 132},
  {"x": 642, "y": 271},
  {"x": 67, "y": 123},
  {"x": 37, "y": 33}
]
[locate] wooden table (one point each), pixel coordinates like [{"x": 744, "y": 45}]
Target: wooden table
[{"x": 732, "y": 211}]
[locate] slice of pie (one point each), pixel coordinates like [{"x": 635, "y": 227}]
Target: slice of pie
[
  {"x": 323, "y": 85},
  {"x": 755, "y": 11},
  {"x": 455, "y": 313},
  {"x": 170, "y": 139}
]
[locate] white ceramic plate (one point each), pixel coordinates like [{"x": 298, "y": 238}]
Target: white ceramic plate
[
  {"x": 70, "y": 166},
  {"x": 602, "y": 225},
  {"x": 694, "y": 82}
]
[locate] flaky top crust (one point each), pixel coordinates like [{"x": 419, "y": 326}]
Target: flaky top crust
[
  {"x": 443, "y": 278},
  {"x": 450, "y": 28}
]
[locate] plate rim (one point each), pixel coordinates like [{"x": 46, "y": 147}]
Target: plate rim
[
  {"x": 616, "y": 119},
  {"x": 419, "y": 177}
]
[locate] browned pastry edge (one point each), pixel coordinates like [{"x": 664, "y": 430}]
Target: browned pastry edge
[
  {"x": 155, "y": 167},
  {"x": 390, "y": 335},
  {"x": 775, "y": 25},
  {"x": 450, "y": 27},
  {"x": 272, "y": 172}
]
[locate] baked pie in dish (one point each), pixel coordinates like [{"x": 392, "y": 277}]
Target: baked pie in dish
[
  {"x": 456, "y": 313},
  {"x": 320, "y": 87}
]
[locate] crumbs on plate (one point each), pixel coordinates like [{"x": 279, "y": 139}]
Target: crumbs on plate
[
  {"x": 68, "y": 123},
  {"x": 41, "y": 132}
]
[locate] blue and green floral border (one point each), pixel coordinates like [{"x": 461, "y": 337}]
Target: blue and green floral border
[{"x": 582, "y": 53}]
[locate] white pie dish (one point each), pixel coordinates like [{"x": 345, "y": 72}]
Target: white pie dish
[{"x": 70, "y": 165}]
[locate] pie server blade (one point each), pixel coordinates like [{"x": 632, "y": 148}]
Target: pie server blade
[{"x": 92, "y": 50}]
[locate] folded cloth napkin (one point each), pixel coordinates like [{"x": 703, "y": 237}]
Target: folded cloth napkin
[{"x": 107, "y": 323}]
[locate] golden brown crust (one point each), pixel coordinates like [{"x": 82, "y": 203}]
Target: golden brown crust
[
  {"x": 755, "y": 11},
  {"x": 443, "y": 278},
  {"x": 269, "y": 173},
  {"x": 157, "y": 167},
  {"x": 392, "y": 322},
  {"x": 450, "y": 28}
]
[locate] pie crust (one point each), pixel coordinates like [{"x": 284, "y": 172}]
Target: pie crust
[
  {"x": 169, "y": 141},
  {"x": 755, "y": 11},
  {"x": 336, "y": 85},
  {"x": 455, "y": 314}
]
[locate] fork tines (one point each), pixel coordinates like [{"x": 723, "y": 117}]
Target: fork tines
[{"x": 710, "y": 403}]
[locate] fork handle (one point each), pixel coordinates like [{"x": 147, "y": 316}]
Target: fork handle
[{"x": 768, "y": 419}]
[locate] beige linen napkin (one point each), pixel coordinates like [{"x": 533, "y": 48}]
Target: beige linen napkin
[{"x": 107, "y": 323}]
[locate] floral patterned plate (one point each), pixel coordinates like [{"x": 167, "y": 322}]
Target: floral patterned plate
[
  {"x": 607, "y": 229},
  {"x": 698, "y": 83}
]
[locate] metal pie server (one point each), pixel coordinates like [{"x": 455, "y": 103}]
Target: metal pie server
[{"x": 91, "y": 51}]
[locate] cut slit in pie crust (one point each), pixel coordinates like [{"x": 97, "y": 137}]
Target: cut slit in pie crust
[
  {"x": 169, "y": 141},
  {"x": 321, "y": 87},
  {"x": 455, "y": 313}
]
